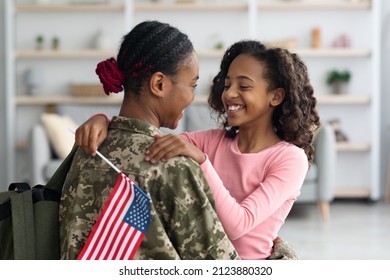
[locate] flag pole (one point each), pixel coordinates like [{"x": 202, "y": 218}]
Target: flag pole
[
  {"x": 103, "y": 157},
  {"x": 109, "y": 162}
]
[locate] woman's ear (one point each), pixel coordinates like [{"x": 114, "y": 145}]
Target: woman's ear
[
  {"x": 158, "y": 84},
  {"x": 278, "y": 96}
]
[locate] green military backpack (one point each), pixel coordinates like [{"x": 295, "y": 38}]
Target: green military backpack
[{"x": 29, "y": 226}]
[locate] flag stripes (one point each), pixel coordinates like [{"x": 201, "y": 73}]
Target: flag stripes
[{"x": 121, "y": 225}]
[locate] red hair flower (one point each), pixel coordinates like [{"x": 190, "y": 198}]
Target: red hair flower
[{"x": 110, "y": 76}]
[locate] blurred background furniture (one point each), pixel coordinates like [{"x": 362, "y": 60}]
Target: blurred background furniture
[
  {"x": 387, "y": 191},
  {"x": 42, "y": 159},
  {"x": 50, "y": 141},
  {"x": 319, "y": 182},
  {"x": 317, "y": 188}
]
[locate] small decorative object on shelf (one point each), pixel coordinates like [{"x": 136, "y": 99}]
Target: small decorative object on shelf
[
  {"x": 102, "y": 42},
  {"x": 219, "y": 45},
  {"x": 34, "y": 80},
  {"x": 338, "y": 80},
  {"x": 342, "y": 41},
  {"x": 216, "y": 41},
  {"x": 286, "y": 43},
  {"x": 55, "y": 43},
  {"x": 39, "y": 40},
  {"x": 87, "y": 90},
  {"x": 316, "y": 38},
  {"x": 340, "y": 135}
]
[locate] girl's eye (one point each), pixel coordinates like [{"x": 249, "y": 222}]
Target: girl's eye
[
  {"x": 244, "y": 87},
  {"x": 195, "y": 86},
  {"x": 226, "y": 87}
]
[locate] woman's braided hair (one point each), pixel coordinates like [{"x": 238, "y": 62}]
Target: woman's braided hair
[
  {"x": 149, "y": 47},
  {"x": 296, "y": 118}
]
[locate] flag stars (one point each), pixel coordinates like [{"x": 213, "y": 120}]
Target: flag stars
[{"x": 138, "y": 214}]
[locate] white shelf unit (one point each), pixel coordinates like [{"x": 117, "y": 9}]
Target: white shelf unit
[
  {"x": 64, "y": 7},
  {"x": 358, "y": 158},
  {"x": 74, "y": 62},
  {"x": 263, "y": 20},
  {"x": 73, "y": 100},
  {"x": 198, "y": 6},
  {"x": 91, "y": 53},
  {"x": 314, "y": 5},
  {"x": 358, "y": 109}
]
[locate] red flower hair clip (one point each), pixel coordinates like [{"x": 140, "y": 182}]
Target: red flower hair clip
[{"x": 110, "y": 76}]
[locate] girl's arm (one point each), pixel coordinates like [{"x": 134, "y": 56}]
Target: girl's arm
[
  {"x": 168, "y": 146},
  {"x": 92, "y": 133},
  {"x": 283, "y": 182}
]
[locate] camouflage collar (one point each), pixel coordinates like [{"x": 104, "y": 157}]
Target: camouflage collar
[{"x": 134, "y": 125}]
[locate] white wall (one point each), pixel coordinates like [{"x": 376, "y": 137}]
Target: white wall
[
  {"x": 3, "y": 183},
  {"x": 385, "y": 97}
]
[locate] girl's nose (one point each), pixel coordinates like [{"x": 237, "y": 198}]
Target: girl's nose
[{"x": 230, "y": 92}]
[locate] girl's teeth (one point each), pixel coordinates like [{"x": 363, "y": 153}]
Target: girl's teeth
[{"x": 234, "y": 107}]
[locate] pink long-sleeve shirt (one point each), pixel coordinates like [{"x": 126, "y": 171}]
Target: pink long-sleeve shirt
[{"x": 253, "y": 192}]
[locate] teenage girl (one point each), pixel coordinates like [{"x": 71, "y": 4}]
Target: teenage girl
[{"x": 257, "y": 161}]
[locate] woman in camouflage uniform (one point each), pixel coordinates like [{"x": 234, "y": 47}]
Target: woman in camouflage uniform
[{"x": 158, "y": 69}]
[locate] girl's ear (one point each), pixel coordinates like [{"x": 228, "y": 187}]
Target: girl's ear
[
  {"x": 278, "y": 96},
  {"x": 158, "y": 84}
]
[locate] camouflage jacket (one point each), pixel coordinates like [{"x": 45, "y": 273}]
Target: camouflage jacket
[{"x": 184, "y": 224}]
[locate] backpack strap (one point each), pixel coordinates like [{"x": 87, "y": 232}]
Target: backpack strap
[
  {"x": 57, "y": 181},
  {"x": 5, "y": 207},
  {"x": 46, "y": 210},
  {"x": 23, "y": 226},
  {"x": 40, "y": 193},
  {"x": 19, "y": 187}
]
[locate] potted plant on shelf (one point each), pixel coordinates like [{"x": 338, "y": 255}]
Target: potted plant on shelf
[
  {"x": 39, "y": 42},
  {"x": 218, "y": 45},
  {"x": 55, "y": 43},
  {"x": 338, "y": 80}
]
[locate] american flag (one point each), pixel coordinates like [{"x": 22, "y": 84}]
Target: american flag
[{"x": 121, "y": 225}]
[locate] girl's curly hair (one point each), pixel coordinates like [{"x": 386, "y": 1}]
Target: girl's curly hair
[{"x": 296, "y": 118}]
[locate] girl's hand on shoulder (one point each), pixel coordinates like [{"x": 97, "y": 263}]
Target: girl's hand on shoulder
[
  {"x": 168, "y": 146},
  {"x": 91, "y": 134}
]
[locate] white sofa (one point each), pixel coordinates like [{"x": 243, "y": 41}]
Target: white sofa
[
  {"x": 42, "y": 161},
  {"x": 320, "y": 180}
]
